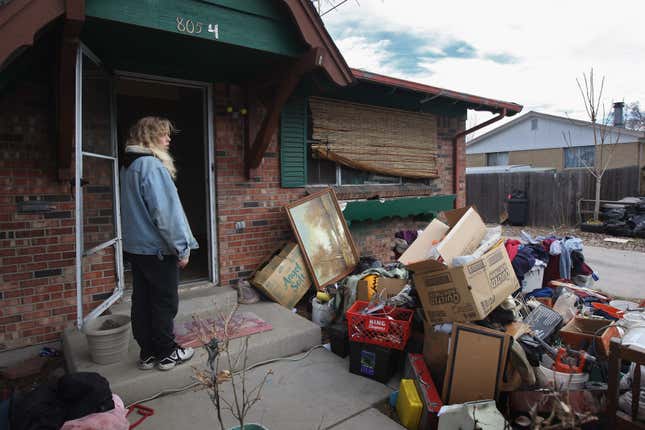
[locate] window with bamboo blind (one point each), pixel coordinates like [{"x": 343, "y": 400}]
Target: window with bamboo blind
[{"x": 375, "y": 139}]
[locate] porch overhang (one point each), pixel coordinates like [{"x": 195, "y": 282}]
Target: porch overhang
[{"x": 286, "y": 36}]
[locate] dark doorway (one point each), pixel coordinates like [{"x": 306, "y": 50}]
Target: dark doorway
[{"x": 184, "y": 106}]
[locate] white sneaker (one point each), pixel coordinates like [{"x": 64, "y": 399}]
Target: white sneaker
[
  {"x": 178, "y": 356},
  {"x": 147, "y": 363}
]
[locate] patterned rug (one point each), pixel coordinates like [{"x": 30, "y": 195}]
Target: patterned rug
[{"x": 199, "y": 331}]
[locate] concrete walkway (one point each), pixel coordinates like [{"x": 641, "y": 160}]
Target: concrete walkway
[
  {"x": 622, "y": 273},
  {"x": 317, "y": 392}
]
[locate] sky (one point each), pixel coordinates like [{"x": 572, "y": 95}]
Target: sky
[{"x": 525, "y": 52}]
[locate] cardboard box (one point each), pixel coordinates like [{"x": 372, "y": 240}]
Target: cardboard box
[
  {"x": 462, "y": 236},
  {"x": 459, "y": 294},
  {"x": 580, "y": 334},
  {"x": 421, "y": 248},
  {"x": 476, "y": 364},
  {"x": 467, "y": 230},
  {"x": 283, "y": 277},
  {"x": 466, "y": 293},
  {"x": 392, "y": 287}
]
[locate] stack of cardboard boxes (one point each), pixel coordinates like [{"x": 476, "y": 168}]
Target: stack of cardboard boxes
[{"x": 469, "y": 359}]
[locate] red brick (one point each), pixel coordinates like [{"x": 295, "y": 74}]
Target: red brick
[
  {"x": 17, "y": 277},
  {"x": 18, "y": 260},
  {"x": 65, "y": 310},
  {"x": 36, "y": 315},
  {"x": 8, "y": 269},
  {"x": 11, "y": 319},
  {"x": 36, "y": 298},
  {"x": 35, "y": 331},
  {"x": 7, "y": 252}
]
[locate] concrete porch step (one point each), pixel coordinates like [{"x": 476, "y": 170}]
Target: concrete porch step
[
  {"x": 291, "y": 334},
  {"x": 197, "y": 300}
]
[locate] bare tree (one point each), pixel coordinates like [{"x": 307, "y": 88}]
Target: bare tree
[
  {"x": 604, "y": 147},
  {"x": 235, "y": 372},
  {"x": 634, "y": 118}
]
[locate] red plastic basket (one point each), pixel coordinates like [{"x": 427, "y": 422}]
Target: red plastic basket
[{"x": 389, "y": 327}]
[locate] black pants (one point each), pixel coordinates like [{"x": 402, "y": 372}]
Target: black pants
[{"x": 154, "y": 303}]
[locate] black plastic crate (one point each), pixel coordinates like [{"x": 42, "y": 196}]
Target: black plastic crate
[
  {"x": 372, "y": 361},
  {"x": 339, "y": 339}
]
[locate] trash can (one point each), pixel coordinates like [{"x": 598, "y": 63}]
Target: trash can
[{"x": 518, "y": 208}]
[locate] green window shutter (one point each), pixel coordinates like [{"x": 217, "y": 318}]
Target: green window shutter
[{"x": 293, "y": 143}]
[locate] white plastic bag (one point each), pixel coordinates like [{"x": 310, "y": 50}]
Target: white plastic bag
[
  {"x": 493, "y": 235},
  {"x": 566, "y": 306}
]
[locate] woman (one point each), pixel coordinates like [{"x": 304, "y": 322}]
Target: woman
[{"x": 157, "y": 240}]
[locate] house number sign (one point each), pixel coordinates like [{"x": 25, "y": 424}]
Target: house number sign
[{"x": 195, "y": 27}]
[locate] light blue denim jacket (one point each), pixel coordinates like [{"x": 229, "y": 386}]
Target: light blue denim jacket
[{"x": 153, "y": 219}]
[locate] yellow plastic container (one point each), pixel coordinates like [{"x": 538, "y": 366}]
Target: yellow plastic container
[{"x": 409, "y": 405}]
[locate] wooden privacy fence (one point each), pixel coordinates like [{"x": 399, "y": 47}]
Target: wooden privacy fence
[{"x": 552, "y": 196}]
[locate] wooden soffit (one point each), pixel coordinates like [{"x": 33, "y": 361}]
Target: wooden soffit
[
  {"x": 20, "y": 21},
  {"x": 316, "y": 36}
]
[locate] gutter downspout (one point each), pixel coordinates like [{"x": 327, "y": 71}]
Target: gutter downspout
[{"x": 455, "y": 153}]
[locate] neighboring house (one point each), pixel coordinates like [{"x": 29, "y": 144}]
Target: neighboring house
[
  {"x": 255, "y": 87},
  {"x": 536, "y": 139}
]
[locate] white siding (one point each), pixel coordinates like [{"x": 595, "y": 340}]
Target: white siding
[{"x": 548, "y": 135}]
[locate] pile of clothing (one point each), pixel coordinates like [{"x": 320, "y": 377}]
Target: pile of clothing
[
  {"x": 558, "y": 258},
  {"x": 77, "y": 401}
]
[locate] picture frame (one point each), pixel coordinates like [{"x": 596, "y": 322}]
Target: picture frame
[{"x": 323, "y": 236}]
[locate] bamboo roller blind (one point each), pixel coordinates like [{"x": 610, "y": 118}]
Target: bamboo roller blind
[{"x": 381, "y": 140}]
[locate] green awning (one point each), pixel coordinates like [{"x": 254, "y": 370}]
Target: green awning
[{"x": 375, "y": 209}]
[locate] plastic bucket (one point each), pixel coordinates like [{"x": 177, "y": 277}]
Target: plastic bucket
[
  {"x": 321, "y": 313},
  {"x": 108, "y": 337},
  {"x": 560, "y": 381},
  {"x": 533, "y": 279}
]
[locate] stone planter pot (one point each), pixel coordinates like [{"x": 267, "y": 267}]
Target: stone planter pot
[{"x": 107, "y": 338}]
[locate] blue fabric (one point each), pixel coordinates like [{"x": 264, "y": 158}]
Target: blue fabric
[
  {"x": 568, "y": 246},
  {"x": 541, "y": 292},
  {"x": 154, "y": 222}
]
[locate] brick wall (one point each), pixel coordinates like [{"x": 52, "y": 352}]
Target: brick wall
[
  {"x": 258, "y": 201},
  {"x": 37, "y": 234},
  {"x": 37, "y": 249}
]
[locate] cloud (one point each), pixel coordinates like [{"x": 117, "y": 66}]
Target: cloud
[
  {"x": 399, "y": 50},
  {"x": 502, "y": 58},
  {"x": 505, "y": 51}
]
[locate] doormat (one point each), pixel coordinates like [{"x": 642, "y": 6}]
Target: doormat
[{"x": 195, "y": 333}]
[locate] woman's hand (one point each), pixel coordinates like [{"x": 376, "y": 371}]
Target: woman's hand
[{"x": 183, "y": 262}]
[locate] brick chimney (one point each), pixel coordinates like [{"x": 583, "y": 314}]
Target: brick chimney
[{"x": 619, "y": 119}]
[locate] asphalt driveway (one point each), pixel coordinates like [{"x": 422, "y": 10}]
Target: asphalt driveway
[{"x": 622, "y": 273}]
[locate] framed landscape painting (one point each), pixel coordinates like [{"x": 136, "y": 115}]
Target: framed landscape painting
[{"x": 323, "y": 236}]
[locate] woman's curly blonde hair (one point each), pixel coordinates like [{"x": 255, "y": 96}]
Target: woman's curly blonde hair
[{"x": 146, "y": 133}]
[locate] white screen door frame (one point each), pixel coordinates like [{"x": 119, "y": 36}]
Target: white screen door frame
[{"x": 109, "y": 157}]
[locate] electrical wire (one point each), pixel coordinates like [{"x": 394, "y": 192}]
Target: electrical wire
[
  {"x": 168, "y": 391},
  {"x": 594, "y": 351}
]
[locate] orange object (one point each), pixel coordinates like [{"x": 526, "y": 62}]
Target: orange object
[
  {"x": 560, "y": 362},
  {"x": 609, "y": 310},
  {"x": 371, "y": 285}
]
